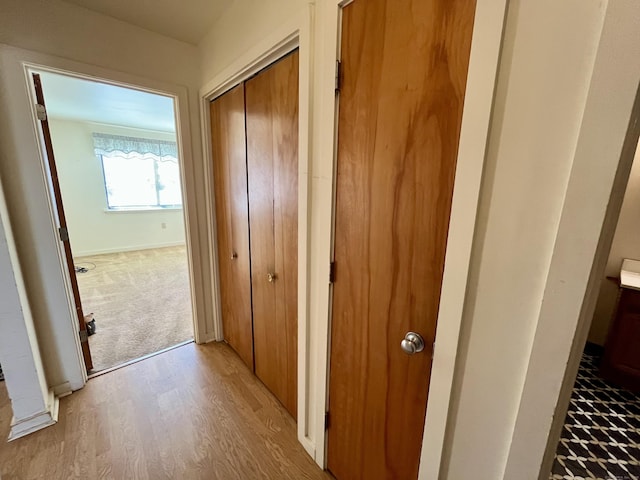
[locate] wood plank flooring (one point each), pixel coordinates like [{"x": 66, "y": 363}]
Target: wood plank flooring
[{"x": 195, "y": 412}]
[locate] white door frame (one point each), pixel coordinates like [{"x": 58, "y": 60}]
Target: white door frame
[
  {"x": 603, "y": 157},
  {"x": 316, "y": 33},
  {"x": 183, "y": 139}
]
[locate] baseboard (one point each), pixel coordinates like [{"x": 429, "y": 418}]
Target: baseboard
[
  {"x": 90, "y": 253},
  {"x": 62, "y": 390},
  {"x": 208, "y": 339},
  {"x": 38, "y": 421},
  {"x": 309, "y": 446}
]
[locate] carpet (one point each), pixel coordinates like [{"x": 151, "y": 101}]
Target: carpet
[{"x": 140, "y": 301}]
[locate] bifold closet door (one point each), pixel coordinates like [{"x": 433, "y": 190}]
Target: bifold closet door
[
  {"x": 232, "y": 219},
  {"x": 271, "y": 100}
]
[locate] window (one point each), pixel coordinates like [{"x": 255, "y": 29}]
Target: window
[{"x": 139, "y": 173}]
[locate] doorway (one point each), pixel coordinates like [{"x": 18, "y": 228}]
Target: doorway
[
  {"x": 601, "y": 432},
  {"x": 114, "y": 156}
]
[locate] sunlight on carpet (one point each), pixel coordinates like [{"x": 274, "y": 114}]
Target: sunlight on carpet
[{"x": 140, "y": 301}]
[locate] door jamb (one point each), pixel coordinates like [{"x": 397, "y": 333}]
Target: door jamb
[
  {"x": 482, "y": 78},
  {"x": 183, "y": 141},
  {"x": 600, "y": 170}
]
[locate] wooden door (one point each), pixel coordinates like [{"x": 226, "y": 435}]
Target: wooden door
[
  {"x": 404, "y": 69},
  {"x": 272, "y": 159},
  {"x": 62, "y": 221},
  {"x": 232, "y": 219}
]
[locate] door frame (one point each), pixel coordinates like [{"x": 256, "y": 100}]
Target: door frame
[
  {"x": 604, "y": 153},
  {"x": 183, "y": 140},
  {"x": 315, "y": 31},
  {"x": 56, "y": 200},
  {"x": 294, "y": 35}
]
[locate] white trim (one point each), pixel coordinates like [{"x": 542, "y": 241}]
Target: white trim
[
  {"x": 140, "y": 209},
  {"x": 35, "y": 62},
  {"x": 273, "y": 47},
  {"x": 305, "y": 42},
  {"x": 481, "y": 80},
  {"x": 295, "y": 34},
  {"x": 38, "y": 421},
  {"x": 604, "y": 153},
  {"x": 132, "y": 248},
  {"x": 324, "y": 118},
  {"x": 62, "y": 390}
]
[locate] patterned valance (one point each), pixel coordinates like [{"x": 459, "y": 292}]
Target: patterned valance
[{"x": 123, "y": 146}]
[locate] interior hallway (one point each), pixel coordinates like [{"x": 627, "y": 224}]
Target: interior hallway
[{"x": 194, "y": 412}]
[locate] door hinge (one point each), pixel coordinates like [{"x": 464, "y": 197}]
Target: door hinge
[
  {"x": 338, "y": 75},
  {"x": 41, "y": 112},
  {"x": 84, "y": 336},
  {"x": 332, "y": 272},
  {"x": 64, "y": 234},
  {"x": 326, "y": 420}
]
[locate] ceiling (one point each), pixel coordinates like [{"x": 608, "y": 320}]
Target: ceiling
[
  {"x": 84, "y": 100},
  {"x": 185, "y": 20}
]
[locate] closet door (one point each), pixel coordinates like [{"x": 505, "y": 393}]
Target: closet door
[
  {"x": 272, "y": 162},
  {"x": 232, "y": 219}
]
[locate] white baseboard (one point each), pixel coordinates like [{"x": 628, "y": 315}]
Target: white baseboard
[
  {"x": 309, "y": 446},
  {"x": 208, "y": 339},
  {"x": 62, "y": 390},
  {"x": 38, "y": 421},
  {"x": 89, "y": 253}
]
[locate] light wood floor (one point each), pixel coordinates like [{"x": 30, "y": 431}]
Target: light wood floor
[{"x": 195, "y": 412}]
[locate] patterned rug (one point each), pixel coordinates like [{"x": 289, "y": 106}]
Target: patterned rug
[
  {"x": 140, "y": 301},
  {"x": 601, "y": 435}
]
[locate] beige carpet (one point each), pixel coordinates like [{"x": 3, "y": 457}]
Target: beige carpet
[{"x": 140, "y": 301}]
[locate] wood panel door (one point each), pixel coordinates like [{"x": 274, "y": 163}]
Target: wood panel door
[
  {"x": 61, "y": 218},
  {"x": 272, "y": 159},
  {"x": 404, "y": 69},
  {"x": 232, "y": 219}
]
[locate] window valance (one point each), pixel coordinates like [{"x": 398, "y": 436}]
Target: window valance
[{"x": 105, "y": 144}]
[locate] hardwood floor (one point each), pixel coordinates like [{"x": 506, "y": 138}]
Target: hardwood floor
[{"x": 195, "y": 412}]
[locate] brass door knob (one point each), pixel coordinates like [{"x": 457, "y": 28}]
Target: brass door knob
[
  {"x": 271, "y": 277},
  {"x": 234, "y": 255}
]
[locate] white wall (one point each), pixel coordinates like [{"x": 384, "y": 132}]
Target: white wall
[
  {"x": 72, "y": 38},
  {"x": 66, "y": 30},
  {"x": 548, "y": 53},
  {"x": 243, "y": 25},
  {"x": 626, "y": 244},
  {"x": 602, "y": 162},
  {"x": 19, "y": 349},
  {"x": 92, "y": 228}
]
